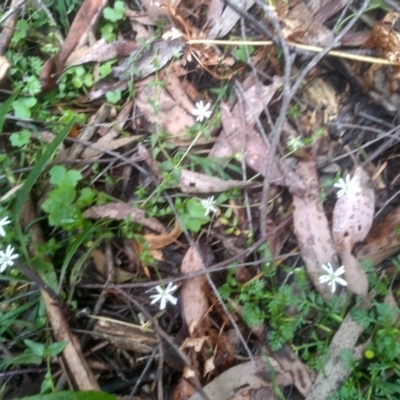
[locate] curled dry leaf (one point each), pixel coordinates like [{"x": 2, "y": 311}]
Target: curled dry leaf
[
  {"x": 164, "y": 239},
  {"x": 194, "y": 294},
  {"x": 122, "y": 211},
  {"x": 312, "y": 228},
  {"x": 336, "y": 370},
  {"x": 352, "y": 220},
  {"x": 246, "y": 376},
  {"x": 195, "y": 182},
  {"x": 382, "y": 241},
  {"x": 384, "y": 37}
]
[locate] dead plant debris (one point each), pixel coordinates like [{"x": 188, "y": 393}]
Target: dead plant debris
[{"x": 199, "y": 200}]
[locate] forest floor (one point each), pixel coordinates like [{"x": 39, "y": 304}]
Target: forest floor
[{"x": 199, "y": 199}]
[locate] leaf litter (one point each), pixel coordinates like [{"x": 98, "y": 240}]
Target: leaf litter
[{"x": 162, "y": 81}]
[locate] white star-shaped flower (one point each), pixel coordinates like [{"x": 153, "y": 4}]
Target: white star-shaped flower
[
  {"x": 164, "y": 295},
  {"x": 7, "y": 257},
  {"x": 333, "y": 276},
  {"x": 209, "y": 205},
  {"x": 3, "y": 222},
  {"x": 202, "y": 111},
  {"x": 344, "y": 185},
  {"x": 294, "y": 143}
]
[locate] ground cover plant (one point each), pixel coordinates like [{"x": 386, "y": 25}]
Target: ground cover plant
[{"x": 199, "y": 200}]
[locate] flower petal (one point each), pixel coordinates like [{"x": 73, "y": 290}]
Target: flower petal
[{"x": 341, "y": 281}]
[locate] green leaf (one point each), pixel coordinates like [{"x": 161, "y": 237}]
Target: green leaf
[
  {"x": 114, "y": 96},
  {"x": 46, "y": 271},
  {"x": 20, "y": 139},
  {"x": 56, "y": 348},
  {"x": 22, "y": 107},
  {"x": 89, "y": 395},
  {"x": 107, "y": 33},
  {"x": 115, "y": 14},
  {"x": 24, "y": 358},
  {"x": 37, "y": 170},
  {"x": 37, "y": 348},
  {"x": 86, "y": 198},
  {"x": 105, "y": 69},
  {"x": 60, "y": 208},
  {"x": 4, "y": 108},
  {"x": 59, "y": 176}
]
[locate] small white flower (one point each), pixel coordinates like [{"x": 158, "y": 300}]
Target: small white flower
[
  {"x": 3, "y": 222},
  {"x": 294, "y": 143},
  {"x": 202, "y": 111},
  {"x": 164, "y": 295},
  {"x": 333, "y": 276},
  {"x": 209, "y": 205},
  {"x": 343, "y": 185},
  {"x": 6, "y": 258}
]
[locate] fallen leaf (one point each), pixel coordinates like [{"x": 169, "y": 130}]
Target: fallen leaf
[
  {"x": 312, "y": 228},
  {"x": 248, "y": 375},
  {"x": 84, "y": 21},
  {"x": 164, "y": 239},
  {"x": 102, "y": 51},
  {"x": 122, "y": 211},
  {"x": 194, "y": 294},
  {"x": 336, "y": 370},
  {"x": 168, "y": 115},
  {"x": 148, "y": 60},
  {"x": 382, "y": 241},
  {"x": 229, "y": 18},
  {"x": 239, "y": 136},
  {"x": 311, "y": 30},
  {"x": 352, "y": 220},
  {"x": 195, "y": 182},
  {"x": 100, "y": 263}
]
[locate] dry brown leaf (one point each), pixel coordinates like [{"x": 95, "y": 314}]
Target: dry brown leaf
[
  {"x": 309, "y": 30},
  {"x": 323, "y": 10},
  {"x": 100, "y": 263},
  {"x": 84, "y": 21},
  {"x": 195, "y": 343},
  {"x": 148, "y": 60},
  {"x": 169, "y": 116},
  {"x": 352, "y": 220},
  {"x": 382, "y": 241},
  {"x": 195, "y": 182},
  {"x": 336, "y": 370},
  {"x": 312, "y": 228},
  {"x": 247, "y": 375},
  {"x": 164, "y": 239},
  {"x": 228, "y": 19},
  {"x": 194, "y": 294},
  {"x": 290, "y": 362},
  {"x": 238, "y": 135},
  {"x": 102, "y": 51},
  {"x": 122, "y": 211}
]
